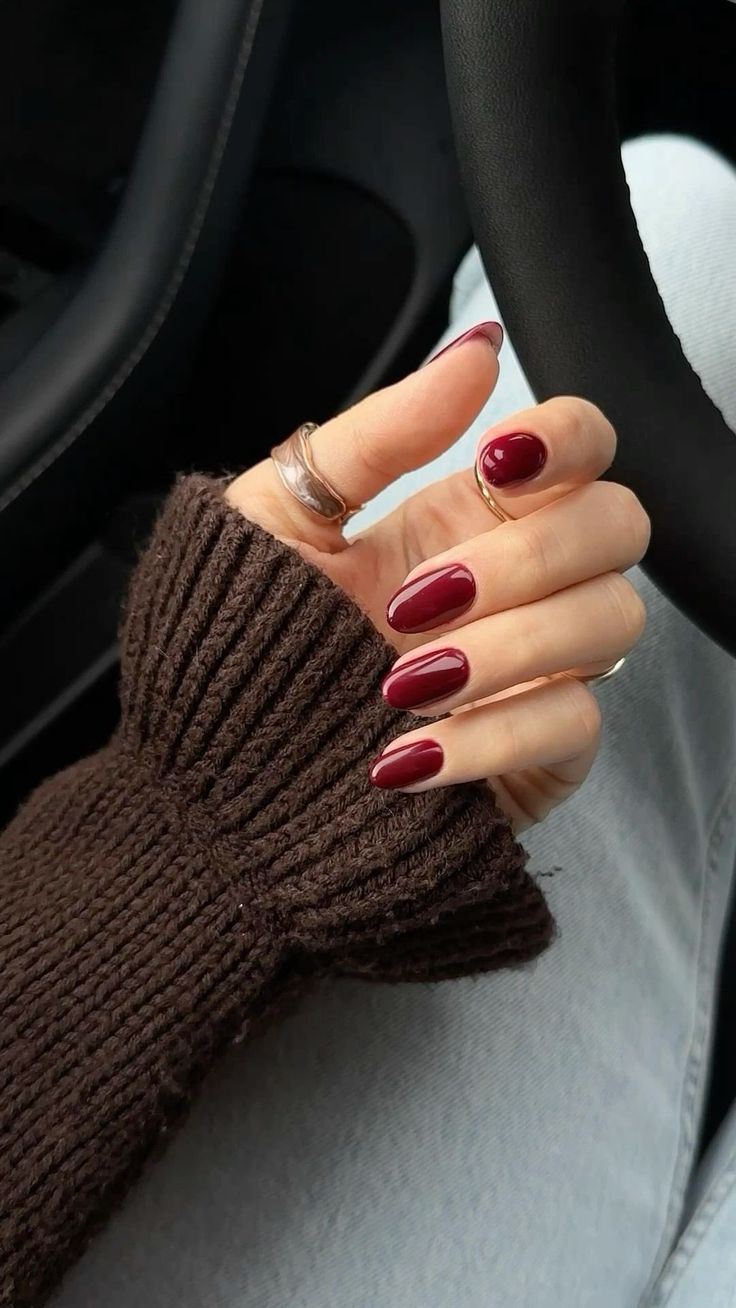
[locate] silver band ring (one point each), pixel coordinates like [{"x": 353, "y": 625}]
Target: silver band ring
[
  {"x": 295, "y": 465},
  {"x": 604, "y": 676}
]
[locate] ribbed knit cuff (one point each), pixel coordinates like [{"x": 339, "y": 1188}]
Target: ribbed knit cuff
[
  {"x": 159, "y": 898},
  {"x": 252, "y": 688},
  {"x": 129, "y": 960}
]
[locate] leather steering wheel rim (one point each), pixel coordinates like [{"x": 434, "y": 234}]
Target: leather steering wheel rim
[{"x": 533, "y": 98}]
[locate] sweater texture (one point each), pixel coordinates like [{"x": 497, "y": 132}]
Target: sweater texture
[{"x": 164, "y": 897}]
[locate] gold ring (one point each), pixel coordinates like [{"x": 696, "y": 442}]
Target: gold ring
[
  {"x": 502, "y": 516},
  {"x": 296, "y": 467},
  {"x": 495, "y": 508}
]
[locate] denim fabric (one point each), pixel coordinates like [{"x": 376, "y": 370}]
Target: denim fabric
[{"x": 524, "y": 1140}]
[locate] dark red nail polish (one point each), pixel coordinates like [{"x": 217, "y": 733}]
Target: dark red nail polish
[
  {"x": 514, "y": 457},
  {"x": 434, "y": 598},
  {"x": 427, "y": 678},
  {"x": 489, "y": 331},
  {"x": 407, "y": 764}
]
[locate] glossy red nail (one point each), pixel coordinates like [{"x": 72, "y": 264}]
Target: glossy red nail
[
  {"x": 405, "y": 766},
  {"x": 489, "y": 331},
  {"x": 427, "y": 678},
  {"x": 514, "y": 457},
  {"x": 434, "y": 598}
]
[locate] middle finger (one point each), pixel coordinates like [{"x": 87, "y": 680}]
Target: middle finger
[{"x": 601, "y": 527}]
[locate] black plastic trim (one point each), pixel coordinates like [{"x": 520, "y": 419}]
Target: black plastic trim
[
  {"x": 125, "y": 300},
  {"x": 533, "y": 93}
]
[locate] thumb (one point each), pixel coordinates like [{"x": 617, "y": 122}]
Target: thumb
[{"x": 383, "y": 436}]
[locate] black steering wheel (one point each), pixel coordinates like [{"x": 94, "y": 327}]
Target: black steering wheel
[{"x": 533, "y": 94}]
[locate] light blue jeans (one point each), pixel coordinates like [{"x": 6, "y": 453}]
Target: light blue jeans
[{"x": 524, "y": 1140}]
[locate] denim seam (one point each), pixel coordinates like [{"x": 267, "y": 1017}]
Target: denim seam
[
  {"x": 702, "y": 1024},
  {"x": 694, "y": 1235}
]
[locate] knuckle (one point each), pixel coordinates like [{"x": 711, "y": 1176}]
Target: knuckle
[
  {"x": 375, "y": 456},
  {"x": 376, "y": 462},
  {"x": 628, "y": 606},
  {"x": 530, "y": 556},
  {"x": 528, "y": 645},
  {"x": 567, "y": 415},
  {"x": 577, "y": 419},
  {"x": 507, "y": 739},
  {"x": 631, "y": 518},
  {"x": 585, "y": 710}
]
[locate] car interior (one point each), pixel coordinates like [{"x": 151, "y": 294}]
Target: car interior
[{"x": 217, "y": 219}]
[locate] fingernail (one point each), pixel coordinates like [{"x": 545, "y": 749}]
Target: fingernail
[
  {"x": 489, "y": 331},
  {"x": 514, "y": 457},
  {"x": 434, "y": 598},
  {"x": 406, "y": 765},
  {"x": 427, "y": 678}
]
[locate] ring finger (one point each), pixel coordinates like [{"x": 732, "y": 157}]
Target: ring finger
[{"x": 597, "y": 528}]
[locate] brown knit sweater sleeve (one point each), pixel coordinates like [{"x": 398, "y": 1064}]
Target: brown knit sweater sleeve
[{"x": 157, "y": 899}]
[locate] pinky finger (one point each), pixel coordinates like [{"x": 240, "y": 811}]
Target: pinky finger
[{"x": 555, "y": 723}]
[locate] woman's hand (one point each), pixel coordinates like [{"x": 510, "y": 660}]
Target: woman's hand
[{"x": 508, "y": 616}]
